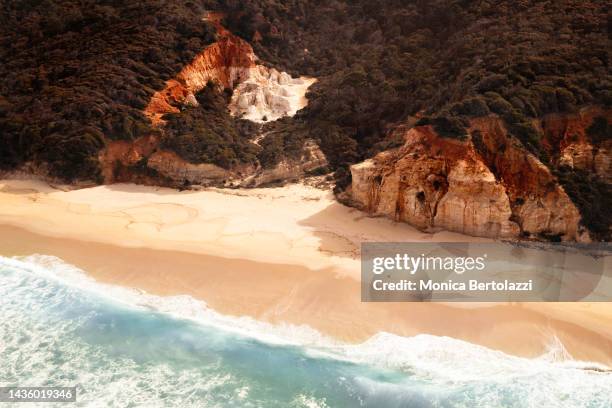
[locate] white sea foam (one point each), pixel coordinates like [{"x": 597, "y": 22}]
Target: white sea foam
[
  {"x": 441, "y": 359},
  {"x": 185, "y": 307},
  {"x": 307, "y": 401}
]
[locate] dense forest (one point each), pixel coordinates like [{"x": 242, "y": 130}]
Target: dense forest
[{"x": 76, "y": 73}]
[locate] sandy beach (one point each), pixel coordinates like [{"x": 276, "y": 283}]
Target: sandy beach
[{"x": 282, "y": 255}]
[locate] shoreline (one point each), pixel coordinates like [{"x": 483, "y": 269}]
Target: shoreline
[{"x": 141, "y": 237}]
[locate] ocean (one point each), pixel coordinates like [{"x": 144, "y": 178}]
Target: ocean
[{"x": 124, "y": 348}]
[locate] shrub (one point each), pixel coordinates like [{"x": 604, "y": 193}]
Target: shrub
[
  {"x": 600, "y": 130},
  {"x": 451, "y": 127},
  {"x": 592, "y": 197}
]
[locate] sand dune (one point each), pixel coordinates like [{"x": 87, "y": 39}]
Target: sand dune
[{"x": 286, "y": 254}]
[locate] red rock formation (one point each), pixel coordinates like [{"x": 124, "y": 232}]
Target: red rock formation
[
  {"x": 172, "y": 167},
  {"x": 122, "y": 153},
  {"x": 119, "y": 162},
  {"x": 487, "y": 185},
  {"x": 539, "y": 204},
  {"x": 226, "y": 61},
  {"x": 432, "y": 182}
]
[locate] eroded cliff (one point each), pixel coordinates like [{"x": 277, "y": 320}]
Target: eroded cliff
[
  {"x": 487, "y": 185},
  {"x": 228, "y": 61},
  {"x": 260, "y": 93}
]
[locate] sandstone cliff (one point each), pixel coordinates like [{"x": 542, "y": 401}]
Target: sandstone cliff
[
  {"x": 311, "y": 159},
  {"x": 141, "y": 161},
  {"x": 227, "y": 62},
  {"x": 487, "y": 185}
]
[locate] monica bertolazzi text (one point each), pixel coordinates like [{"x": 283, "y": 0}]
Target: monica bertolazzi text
[{"x": 472, "y": 285}]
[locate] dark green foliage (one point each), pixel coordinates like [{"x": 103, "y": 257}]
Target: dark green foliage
[
  {"x": 341, "y": 148},
  {"x": 75, "y": 71},
  {"x": 208, "y": 134},
  {"x": 318, "y": 171},
  {"x": 453, "y": 127},
  {"x": 271, "y": 150},
  {"x": 342, "y": 175},
  {"x": 283, "y": 138},
  {"x": 592, "y": 197},
  {"x": 547, "y": 236},
  {"x": 600, "y": 130},
  {"x": 471, "y": 107},
  {"x": 73, "y": 156},
  {"x": 393, "y": 141},
  {"x": 517, "y": 122}
]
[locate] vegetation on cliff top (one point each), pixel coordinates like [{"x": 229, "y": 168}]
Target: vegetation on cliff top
[{"x": 592, "y": 197}]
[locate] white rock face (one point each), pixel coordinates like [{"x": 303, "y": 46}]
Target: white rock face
[{"x": 268, "y": 95}]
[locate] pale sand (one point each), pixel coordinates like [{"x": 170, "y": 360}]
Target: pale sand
[{"x": 286, "y": 254}]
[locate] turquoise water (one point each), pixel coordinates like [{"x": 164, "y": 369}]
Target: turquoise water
[{"x": 121, "y": 347}]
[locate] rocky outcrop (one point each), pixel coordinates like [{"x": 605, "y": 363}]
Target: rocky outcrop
[
  {"x": 486, "y": 186},
  {"x": 269, "y": 95},
  {"x": 124, "y": 154},
  {"x": 602, "y": 162},
  {"x": 434, "y": 183},
  {"x": 141, "y": 161},
  {"x": 539, "y": 204},
  {"x": 567, "y": 142},
  {"x": 288, "y": 169},
  {"x": 171, "y": 166},
  {"x": 475, "y": 204}
]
